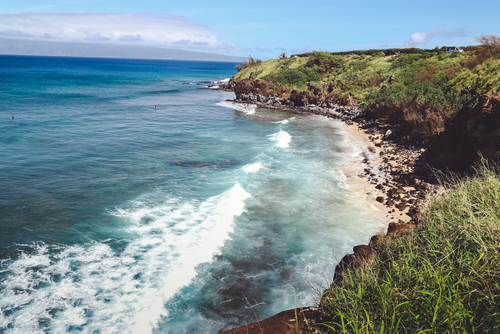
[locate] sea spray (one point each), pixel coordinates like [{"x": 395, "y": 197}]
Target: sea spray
[
  {"x": 123, "y": 291},
  {"x": 246, "y": 108},
  {"x": 253, "y": 167},
  {"x": 281, "y": 138}
]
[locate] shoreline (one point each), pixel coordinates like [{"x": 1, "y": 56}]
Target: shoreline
[
  {"x": 394, "y": 180},
  {"x": 392, "y": 168}
]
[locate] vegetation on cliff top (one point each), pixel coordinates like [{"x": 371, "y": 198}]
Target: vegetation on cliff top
[
  {"x": 442, "y": 278},
  {"x": 419, "y": 90}
]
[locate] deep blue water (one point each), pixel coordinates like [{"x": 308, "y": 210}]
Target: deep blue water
[{"x": 117, "y": 217}]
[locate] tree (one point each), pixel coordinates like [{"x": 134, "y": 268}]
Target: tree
[
  {"x": 251, "y": 62},
  {"x": 492, "y": 41},
  {"x": 489, "y": 47}
]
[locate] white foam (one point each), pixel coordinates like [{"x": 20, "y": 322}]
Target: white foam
[
  {"x": 285, "y": 121},
  {"x": 281, "y": 138},
  {"x": 125, "y": 292},
  {"x": 222, "y": 81},
  {"x": 253, "y": 167},
  {"x": 246, "y": 108}
]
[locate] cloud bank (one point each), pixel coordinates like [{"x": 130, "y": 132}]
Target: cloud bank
[
  {"x": 160, "y": 30},
  {"x": 421, "y": 38}
]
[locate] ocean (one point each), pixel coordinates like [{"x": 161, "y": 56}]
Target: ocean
[{"x": 134, "y": 199}]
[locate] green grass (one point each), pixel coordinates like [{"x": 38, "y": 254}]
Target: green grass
[{"x": 442, "y": 278}]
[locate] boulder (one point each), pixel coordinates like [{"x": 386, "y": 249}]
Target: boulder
[
  {"x": 363, "y": 251},
  {"x": 349, "y": 261},
  {"x": 396, "y": 229}
]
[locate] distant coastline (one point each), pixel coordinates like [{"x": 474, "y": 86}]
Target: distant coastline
[{"x": 93, "y": 50}]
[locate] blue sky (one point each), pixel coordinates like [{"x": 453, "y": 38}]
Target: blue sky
[{"x": 263, "y": 29}]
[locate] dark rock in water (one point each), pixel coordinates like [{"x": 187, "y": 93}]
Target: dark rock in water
[
  {"x": 199, "y": 164},
  {"x": 380, "y": 199}
]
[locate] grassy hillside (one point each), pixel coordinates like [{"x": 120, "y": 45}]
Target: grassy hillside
[
  {"x": 442, "y": 278},
  {"x": 419, "y": 91}
]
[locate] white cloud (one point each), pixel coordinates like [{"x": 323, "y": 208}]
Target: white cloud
[
  {"x": 96, "y": 37},
  {"x": 161, "y": 30},
  {"x": 14, "y": 33},
  {"x": 131, "y": 38},
  {"x": 259, "y": 49},
  {"x": 421, "y": 38},
  {"x": 307, "y": 48},
  {"x": 48, "y": 36}
]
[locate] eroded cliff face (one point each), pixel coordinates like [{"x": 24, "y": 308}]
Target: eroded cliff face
[
  {"x": 267, "y": 92},
  {"x": 472, "y": 133}
]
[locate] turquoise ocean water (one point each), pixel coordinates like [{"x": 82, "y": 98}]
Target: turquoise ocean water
[{"x": 116, "y": 217}]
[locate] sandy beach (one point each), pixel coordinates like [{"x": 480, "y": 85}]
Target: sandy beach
[{"x": 371, "y": 160}]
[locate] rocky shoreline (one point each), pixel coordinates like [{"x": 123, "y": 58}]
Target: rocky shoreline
[{"x": 399, "y": 176}]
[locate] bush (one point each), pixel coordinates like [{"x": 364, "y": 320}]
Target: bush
[
  {"x": 323, "y": 62},
  {"x": 294, "y": 77},
  {"x": 375, "y": 80},
  {"x": 358, "y": 66},
  {"x": 489, "y": 48},
  {"x": 405, "y": 60}
]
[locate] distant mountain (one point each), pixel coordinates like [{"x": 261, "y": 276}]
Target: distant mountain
[{"x": 64, "y": 49}]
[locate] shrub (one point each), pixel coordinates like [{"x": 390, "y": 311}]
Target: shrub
[
  {"x": 359, "y": 66},
  {"x": 375, "y": 80},
  {"x": 427, "y": 74},
  {"x": 489, "y": 48},
  {"x": 323, "y": 62},
  {"x": 294, "y": 77},
  {"x": 246, "y": 64}
]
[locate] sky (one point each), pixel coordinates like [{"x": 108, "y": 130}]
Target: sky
[{"x": 260, "y": 28}]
